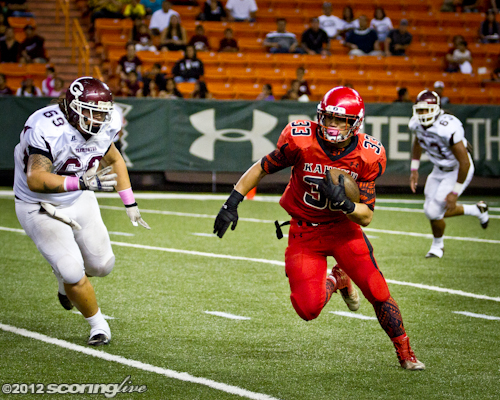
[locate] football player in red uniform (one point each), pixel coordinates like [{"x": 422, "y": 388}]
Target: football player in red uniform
[{"x": 325, "y": 222}]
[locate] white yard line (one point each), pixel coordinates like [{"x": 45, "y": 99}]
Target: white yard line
[
  {"x": 203, "y": 234},
  {"x": 352, "y": 315},
  {"x": 483, "y": 316},
  {"x": 226, "y": 315},
  {"x": 182, "y": 376},
  {"x": 120, "y": 233},
  {"x": 281, "y": 264}
]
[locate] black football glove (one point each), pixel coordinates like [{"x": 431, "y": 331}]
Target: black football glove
[
  {"x": 228, "y": 213},
  {"x": 336, "y": 193}
]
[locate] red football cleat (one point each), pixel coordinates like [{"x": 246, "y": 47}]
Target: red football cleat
[{"x": 406, "y": 356}]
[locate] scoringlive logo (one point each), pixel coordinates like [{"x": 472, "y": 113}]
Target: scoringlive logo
[{"x": 204, "y": 122}]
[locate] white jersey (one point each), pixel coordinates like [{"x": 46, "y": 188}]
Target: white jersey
[
  {"x": 48, "y": 132},
  {"x": 331, "y": 25},
  {"x": 438, "y": 139}
]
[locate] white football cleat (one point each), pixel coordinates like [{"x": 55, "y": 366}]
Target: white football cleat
[
  {"x": 483, "y": 217},
  {"x": 435, "y": 252}
]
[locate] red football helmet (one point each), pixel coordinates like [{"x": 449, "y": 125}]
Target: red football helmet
[
  {"x": 427, "y": 107},
  {"x": 89, "y": 104},
  {"x": 348, "y": 109}
]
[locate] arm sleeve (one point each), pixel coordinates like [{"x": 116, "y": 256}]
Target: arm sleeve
[{"x": 37, "y": 143}]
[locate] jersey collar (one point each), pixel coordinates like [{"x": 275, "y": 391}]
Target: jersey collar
[{"x": 350, "y": 147}]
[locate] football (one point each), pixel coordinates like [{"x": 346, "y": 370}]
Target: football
[{"x": 351, "y": 187}]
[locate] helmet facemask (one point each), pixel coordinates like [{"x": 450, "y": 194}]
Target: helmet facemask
[
  {"x": 346, "y": 125},
  {"x": 93, "y": 123},
  {"x": 426, "y": 112}
]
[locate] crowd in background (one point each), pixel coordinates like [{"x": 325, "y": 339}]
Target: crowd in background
[{"x": 158, "y": 27}]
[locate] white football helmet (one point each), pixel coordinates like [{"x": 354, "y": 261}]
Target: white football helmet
[{"x": 427, "y": 107}]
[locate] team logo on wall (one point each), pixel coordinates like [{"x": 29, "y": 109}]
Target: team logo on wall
[{"x": 204, "y": 122}]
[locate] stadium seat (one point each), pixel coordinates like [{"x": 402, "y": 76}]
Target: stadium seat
[
  {"x": 373, "y": 63},
  {"x": 397, "y": 63},
  {"x": 149, "y": 58},
  {"x": 21, "y": 22},
  {"x": 270, "y": 75},
  {"x": 250, "y": 45},
  {"x": 387, "y": 94},
  {"x": 116, "y": 27},
  {"x": 241, "y": 74},
  {"x": 246, "y": 91},
  {"x": 186, "y": 88},
  {"x": 238, "y": 59},
  {"x": 368, "y": 93},
  {"x": 223, "y": 92}
]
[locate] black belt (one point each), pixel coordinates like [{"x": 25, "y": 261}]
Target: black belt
[{"x": 446, "y": 169}]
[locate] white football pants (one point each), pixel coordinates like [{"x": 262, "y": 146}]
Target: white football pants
[
  {"x": 70, "y": 253},
  {"x": 437, "y": 187}
]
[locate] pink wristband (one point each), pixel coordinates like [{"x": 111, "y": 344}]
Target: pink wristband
[
  {"x": 127, "y": 196},
  {"x": 71, "y": 183}
]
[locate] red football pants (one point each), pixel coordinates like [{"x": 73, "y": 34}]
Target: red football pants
[{"x": 305, "y": 264}]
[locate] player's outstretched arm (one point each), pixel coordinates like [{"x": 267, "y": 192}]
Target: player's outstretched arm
[
  {"x": 460, "y": 152},
  {"x": 416, "y": 153},
  {"x": 114, "y": 159},
  {"x": 228, "y": 213}
]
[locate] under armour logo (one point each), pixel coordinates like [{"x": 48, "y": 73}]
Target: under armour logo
[
  {"x": 204, "y": 122},
  {"x": 73, "y": 138}
]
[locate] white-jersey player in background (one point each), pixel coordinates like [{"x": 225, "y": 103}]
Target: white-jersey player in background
[
  {"x": 57, "y": 168},
  {"x": 442, "y": 137}
]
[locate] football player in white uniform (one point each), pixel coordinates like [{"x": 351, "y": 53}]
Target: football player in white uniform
[
  {"x": 66, "y": 152},
  {"x": 442, "y": 137}
]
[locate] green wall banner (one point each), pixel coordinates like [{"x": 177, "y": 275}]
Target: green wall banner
[{"x": 207, "y": 135}]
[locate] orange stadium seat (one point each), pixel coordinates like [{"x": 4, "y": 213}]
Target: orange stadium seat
[
  {"x": 346, "y": 62},
  {"x": 368, "y": 93},
  {"x": 208, "y": 57},
  {"x": 186, "y": 88},
  {"x": 240, "y": 59},
  {"x": 373, "y": 63},
  {"x": 149, "y": 58},
  {"x": 241, "y": 74},
  {"x": 214, "y": 74},
  {"x": 387, "y": 94},
  {"x": 246, "y": 91},
  {"x": 251, "y": 45},
  {"x": 21, "y": 22},
  {"x": 359, "y": 78},
  {"x": 477, "y": 95},
  {"x": 187, "y": 12},
  {"x": 398, "y": 63},
  {"x": 263, "y": 59},
  {"x": 116, "y": 27},
  {"x": 223, "y": 92},
  {"x": 270, "y": 75}
]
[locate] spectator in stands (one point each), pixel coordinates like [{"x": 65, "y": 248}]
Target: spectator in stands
[
  {"x": 10, "y": 48},
  {"x": 189, "y": 68},
  {"x": 439, "y": 89},
  {"x": 470, "y": 6},
  {"x": 4, "y": 89},
  {"x": 130, "y": 87},
  {"x": 363, "y": 41},
  {"x": 143, "y": 40},
  {"x": 157, "y": 76},
  {"x": 460, "y": 59},
  {"x": 213, "y": 10},
  {"x": 281, "y": 41},
  {"x": 448, "y": 58},
  {"x": 349, "y": 23},
  {"x": 495, "y": 75},
  {"x": 171, "y": 91},
  {"x": 315, "y": 40},
  {"x": 398, "y": 40},
  {"x": 105, "y": 9},
  {"x": 28, "y": 89},
  {"x": 134, "y": 10},
  {"x": 381, "y": 23},
  {"x": 4, "y": 24},
  {"x": 174, "y": 37},
  {"x": 294, "y": 93},
  {"x": 200, "y": 91},
  {"x": 32, "y": 48},
  {"x": 151, "y": 5},
  {"x": 331, "y": 24},
  {"x": 489, "y": 32},
  {"x": 129, "y": 62},
  {"x": 17, "y": 8},
  {"x": 48, "y": 82},
  {"x": 303, "y": 84},
  {"x": 267, "y": 93},
  {"x": 403, "y": 96},
  {"x": 228, "y": 43},
  {"x": 199, "y": 40},
  {"x": 241, "y": 10},
  {"x": 495, "y": 5},
  {"x": 450, "y": 5},
  {"x": 160, "y": 19},
  {"x": 58, "y": 89}
]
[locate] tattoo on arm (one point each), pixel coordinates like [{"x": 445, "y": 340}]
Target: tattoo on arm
[{"x": 40, "y": 163}]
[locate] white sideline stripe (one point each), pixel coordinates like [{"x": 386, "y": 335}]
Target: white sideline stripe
[
  {"x": 120, "y": 233},
  {"x": 199, "y": 253},
  {"x": 182, "y": 376},
  {"x": 203, "y": 234},
  {"x": 104, "y": 315},
  {"x": 203, "y": 197},
  {"x": 444, "y": 290},
  {"x": 351, "y": 315},
  {"x": 429, "y": 236},
  {"x": 226, "y": 315},
  {"x": 483, "y": 316},
  {"x": 281, "y": 264}
]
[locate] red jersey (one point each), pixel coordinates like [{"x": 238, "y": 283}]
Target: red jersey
[{"x": 300, "y": 147}]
